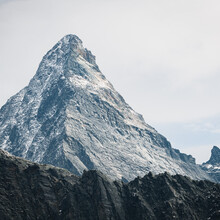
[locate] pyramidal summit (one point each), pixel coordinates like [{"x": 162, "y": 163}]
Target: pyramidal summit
[{"x": 71, "y": 116}]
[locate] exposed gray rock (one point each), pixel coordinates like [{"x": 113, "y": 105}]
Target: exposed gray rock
[
  {"x": 31, "y": 191},
  {"x": 212, "y": 166},
  {"x": 70, "y": 116},
  {"x": 215, "y": 156}
]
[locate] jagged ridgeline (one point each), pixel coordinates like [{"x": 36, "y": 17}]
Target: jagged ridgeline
[
  {"x": 32, "y": 191},
  {"x": 70, "y": 116}
]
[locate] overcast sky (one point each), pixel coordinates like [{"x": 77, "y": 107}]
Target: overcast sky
[{"x": 161, "y": 55}]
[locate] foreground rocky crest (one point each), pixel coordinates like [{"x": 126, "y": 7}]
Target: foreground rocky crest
[{"x": 32, "y": 191}]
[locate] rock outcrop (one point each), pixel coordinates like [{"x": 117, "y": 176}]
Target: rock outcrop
[
  {"x": 32, "y": 191},
  {"x": 212, "y": 166}
]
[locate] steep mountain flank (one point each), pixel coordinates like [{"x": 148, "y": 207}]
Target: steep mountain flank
[{"x": 70, "y": 116}]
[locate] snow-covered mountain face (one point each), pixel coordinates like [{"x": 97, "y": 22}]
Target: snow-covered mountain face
[
  {"x": 212, "y": 166},
  {"x": 70, "y": 116}
]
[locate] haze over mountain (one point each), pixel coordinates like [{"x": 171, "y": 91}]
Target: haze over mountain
[{"x": 70, "y": 116}]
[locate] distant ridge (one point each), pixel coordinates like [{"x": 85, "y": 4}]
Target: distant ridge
[{"x": 212, "y": 166}]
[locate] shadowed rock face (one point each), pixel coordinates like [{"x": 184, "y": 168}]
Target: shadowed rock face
[
  {"x": 215, "y": 156},
  {"x": 70, "y": 116},
  {"x": 212, "y": 166},
  {"x": 32, "y": 191}
]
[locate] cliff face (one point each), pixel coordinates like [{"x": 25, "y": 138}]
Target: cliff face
[
  {"x": 212, "y": 166},
  {"x": 70, "y": 116},
  {"x": 32, "y": 191}
]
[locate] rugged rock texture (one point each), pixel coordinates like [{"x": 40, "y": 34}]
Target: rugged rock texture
[
  {"x": 212, "y": 166},
  {"x": 32, "y": 191},
  {"x": 70, "y": 116}
]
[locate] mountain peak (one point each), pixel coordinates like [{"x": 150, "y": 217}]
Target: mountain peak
[
  {"x": 212, "y": 166},
  {"x": 72, "y": 117},
  {"x": 71, "y": 38},
  {"x": 71, "y": 41},
  {"x": 215, "y": 156},
  {"x": 215, "y": 149},
  {"x": 72, "y": 45}
]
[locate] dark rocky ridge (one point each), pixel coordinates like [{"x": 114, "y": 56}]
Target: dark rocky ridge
[
  {"x": 32, "y": 191},
  {"x": 212, "y": 166}
]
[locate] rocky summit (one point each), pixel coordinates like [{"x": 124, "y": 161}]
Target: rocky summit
[
  {"x": 212, "y": 166},
  {"x": 70, "y": 116},
  {"x": 32, "y": 191}
]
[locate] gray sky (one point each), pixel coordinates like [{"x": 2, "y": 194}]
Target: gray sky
[{"x": 161, "y": 55}]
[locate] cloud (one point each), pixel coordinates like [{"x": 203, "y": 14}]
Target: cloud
[
  {"x": 217, "y": 131},
  {"x": 196, "y": 137},
  {"x": 208, "y": 125},
  {"x": 4, "y": 1},
  {"x": 8, "y": 1}
]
